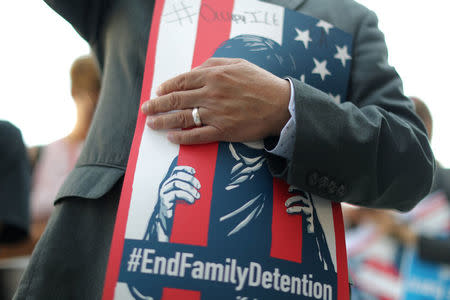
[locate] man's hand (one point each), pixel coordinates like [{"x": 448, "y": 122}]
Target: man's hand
[{"x": 237, "y": 100}]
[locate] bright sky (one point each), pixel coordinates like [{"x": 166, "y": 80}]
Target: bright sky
[{"x": 38, "y": 48}]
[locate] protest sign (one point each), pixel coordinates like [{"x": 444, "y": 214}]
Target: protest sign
[{"x": 209, "y": 221}]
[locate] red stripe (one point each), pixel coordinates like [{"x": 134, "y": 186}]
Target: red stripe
[
  {"x": 112, "y": 272},
  {"x": 178, "y": 294},
  {"x": 286, "y": 229},
  {"x": 191, "y": 221},
  {"x": 341, "y": 253},
  {"x": 212, "y": 29}
]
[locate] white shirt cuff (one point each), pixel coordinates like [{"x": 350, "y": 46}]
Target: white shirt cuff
[{"x": 285, "y": 145}]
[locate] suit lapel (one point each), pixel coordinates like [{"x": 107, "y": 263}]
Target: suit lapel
[{"x": 291, "y": 4}]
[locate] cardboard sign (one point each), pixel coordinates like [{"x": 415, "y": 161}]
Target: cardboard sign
[{"x": 209, "y": 221}]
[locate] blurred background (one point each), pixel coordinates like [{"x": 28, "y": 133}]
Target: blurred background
[{"x": 38, "y": 48}]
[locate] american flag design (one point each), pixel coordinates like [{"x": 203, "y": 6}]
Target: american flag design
[{"x": 233, "y": 239}]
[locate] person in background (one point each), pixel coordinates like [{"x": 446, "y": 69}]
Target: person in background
[
  {"x": 15, "y": 179},
  {"x": 53, "y": 162},
  {"x": 442, "y": 177},
  {"x": 429, "y": 248},
  {"x": 50, "y": 164}
]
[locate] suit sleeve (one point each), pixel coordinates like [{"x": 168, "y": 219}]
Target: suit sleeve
[
  {"x": 371, "y": 150},
  {"x": 86, "y": 16}
]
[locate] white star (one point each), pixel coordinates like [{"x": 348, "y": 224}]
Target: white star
[
  {"x": 303, "y": 36},
  {"x": 325, "y": 25},
  {"x": 336, "y": 98},
  {"x": 342, "y": 54},
  {"x": 302, "y": 78},
  {"x": 321, "y": 68}
]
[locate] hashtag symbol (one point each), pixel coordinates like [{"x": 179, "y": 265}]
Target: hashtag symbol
[
  {"x": 135, "y": 259},
  {"x": 180, "y": 14}
]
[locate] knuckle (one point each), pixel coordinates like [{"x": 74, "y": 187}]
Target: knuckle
[
  {"x": 214, "y": 93},
  {"x": 160, "y": 122},
  {"x": 191, "y": 137},
  {"x": 182, "y": 120},
  {"x": 195, "y": 136},
  {"x": 218, "y": 74},
  {"x": 182, "y": 82},
  {"x": 183, "y": 139},
  {"x": 156, "y": 123},
  {"x": 213, "y": 74},
  {"x": 174, "y": 100},
  {"x": 152, "y": 106}
]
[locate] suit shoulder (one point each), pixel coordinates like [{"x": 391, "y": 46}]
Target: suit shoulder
[{"x": 345, "y": 14}]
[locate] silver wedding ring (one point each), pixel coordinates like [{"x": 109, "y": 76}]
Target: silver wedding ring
[{"x": 196, "y": 116}]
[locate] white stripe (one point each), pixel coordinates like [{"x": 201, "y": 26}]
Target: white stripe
[
  {"x": 325, "y": 214},
  {"x": 176, "y": 41},
  {"x": 174, "y": 53},
  {"x": 263, "y": 19}
]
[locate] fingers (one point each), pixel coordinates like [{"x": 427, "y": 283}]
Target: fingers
[
  {"x": 295, "y": 210},
  {"x": 217, "y": 61},
  {"x": 198, "y": 135},
  {"x": 180, "y": 195},
  {"x": 306, "y": 211},
  {"x": 297, "y": 200},
  {"x": 187, "y": 169},
  {"x": 183, "y": 176},
  {"x": 168, "y": 200},
  {"x": 173, "y": 101},
  {"x": 298, "y": 205},
  {"x": 183, "y": 82},
  {"x": 195, "y": 78},
  {"x": 180, "y": 185},
  {"x": 180, "y": 119}
]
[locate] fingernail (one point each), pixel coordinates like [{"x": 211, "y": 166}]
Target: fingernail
[
  {"x": 151, "y": 122},
  {"x": 170, "y": 137},
  {"x": 158, "y": 90},
  {"x": 144, "y": 108},
  {"x": 197, "y": 195}
]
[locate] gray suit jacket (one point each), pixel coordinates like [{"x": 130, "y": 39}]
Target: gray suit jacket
[{"x": 371, "y": 150}]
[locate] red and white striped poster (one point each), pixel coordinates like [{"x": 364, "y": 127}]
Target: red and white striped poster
[{"x": 209, "y": 221}]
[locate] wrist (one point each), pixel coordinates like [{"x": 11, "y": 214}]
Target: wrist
[{"x": 282, "y": 115}]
